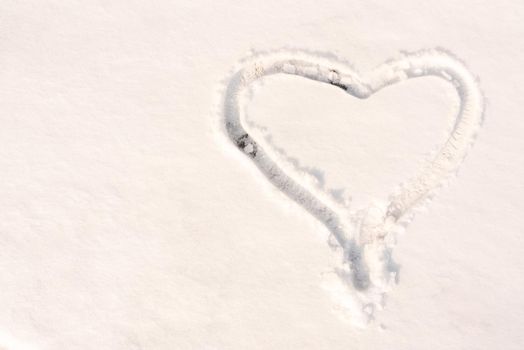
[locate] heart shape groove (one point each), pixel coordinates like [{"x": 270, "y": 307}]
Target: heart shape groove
[{"x": 367, "y": 237}]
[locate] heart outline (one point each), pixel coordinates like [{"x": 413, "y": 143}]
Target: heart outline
[{"x": 368, "y": 246}]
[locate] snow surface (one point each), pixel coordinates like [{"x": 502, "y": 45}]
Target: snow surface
[{"x": 131, "y": 221}]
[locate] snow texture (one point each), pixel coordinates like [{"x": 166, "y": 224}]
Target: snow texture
[{"x": 133, "y": 217}]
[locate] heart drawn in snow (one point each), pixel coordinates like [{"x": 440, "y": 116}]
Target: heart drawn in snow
[{"x": 366, "y": 238}]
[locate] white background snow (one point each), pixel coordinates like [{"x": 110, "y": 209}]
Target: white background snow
[{"x": 125, "y": 224}]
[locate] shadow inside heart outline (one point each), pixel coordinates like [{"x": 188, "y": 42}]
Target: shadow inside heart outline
[{"x": 366, "y": 237}]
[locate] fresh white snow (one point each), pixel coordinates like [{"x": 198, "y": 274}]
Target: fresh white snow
[{"x": 130, "y": 220}]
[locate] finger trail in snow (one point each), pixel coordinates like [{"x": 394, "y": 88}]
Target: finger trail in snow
[{"x": 367, "y": 238}]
